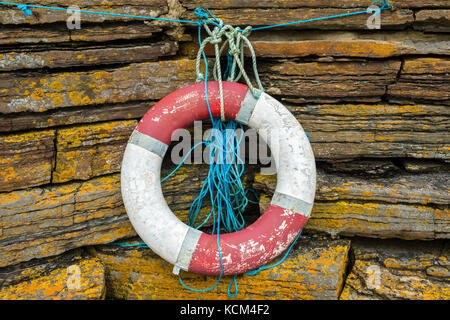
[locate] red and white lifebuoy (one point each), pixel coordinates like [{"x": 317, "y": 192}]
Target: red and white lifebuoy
[{"x": 190, "y": 249}]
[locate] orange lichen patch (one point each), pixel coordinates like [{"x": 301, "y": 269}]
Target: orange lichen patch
[
  {"x": 426, "y": 66},
  {"x": 412, "y": 264},
  {"x": 443, "y": 214},
  {"x": 56, "y": 219},
  {"x": 313, "y": 272},
  {"x": 310, "y": 69},
  {"x": 37, "y": 94},
  {"x": 369, "y": 110},
  {"x": 73, "y": 165},
  {"x": 58, "y": 99},
  {"x": 25, "y": 159},
  {"x": 438, "y": 271},
  {"x": 75, "y": 136},
  {"x": 24, "y": 137},
  {"x": 98, "y": 87},
  {"x": 83, "y": 280},
  {"x": 373, "y": 219},
  {"x": 367, "y": 193},
  {"x": 401, "y": 276},
  {"x": 357, "y": 217},
  {"x": 56, "y": 85},
  {"x": 353, "y": 48},
  {"x": 91, "y": 150}
]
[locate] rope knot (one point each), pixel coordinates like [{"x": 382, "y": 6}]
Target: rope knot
[
  {"x": 236, "y": 40},
  {"x": 200, "y": 77},
  {"x": 233, "y": 50},
  {"x": 215, "y": 40},
  {"x": 246, "y": 32},
  {"x": 25, "y": 9},
  {"x": 201, "y": 13}
]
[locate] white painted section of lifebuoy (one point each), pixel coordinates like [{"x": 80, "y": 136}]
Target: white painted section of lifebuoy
[
  {"x": 290, "y": 147},
  {"x": 170, "y": 238},
  {"x": 144, "y": 202}
]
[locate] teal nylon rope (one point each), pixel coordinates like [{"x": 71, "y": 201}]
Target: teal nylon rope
[
  {"x": 25, "y": 8},
  {"x": 384, "y": 6},
  {"x": 223, "y": 183}
]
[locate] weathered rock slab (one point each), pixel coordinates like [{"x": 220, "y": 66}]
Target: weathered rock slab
[
  {"x": 71, "y": 276},
  {"x": 136, "y": 82},
  {"x": 348, "y": 48},
  {"x": 26, "y": 159},
  {"x": 61, "y": 117},
  {"x": 313, "y": 270},
  {"x": 230, "y": 4},
  {"x": 433, "y": 20},
  {"x": 65, "y": 58},
  {"x": 329, "y": 82},
  {"x": 398, "y": 19},
  {"x": 87, "y": 151},
  {"x": 398, "y": 270},
  {"x": 407, "y": 207},
  {"x": 422, "y": 79},
  {"x": 48, "y": 221},
  {"x": 13, "y": 16},
  {"x": 348, "y": 131}
]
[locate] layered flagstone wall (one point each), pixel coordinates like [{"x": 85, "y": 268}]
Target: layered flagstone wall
[{"x": 375, "y": 103}]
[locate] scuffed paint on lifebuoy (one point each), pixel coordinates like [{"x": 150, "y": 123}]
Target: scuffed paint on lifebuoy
[{"x": 190, "y": 249}]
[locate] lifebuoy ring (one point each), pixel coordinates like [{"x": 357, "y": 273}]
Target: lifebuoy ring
[{"x": 190, "y": 249}]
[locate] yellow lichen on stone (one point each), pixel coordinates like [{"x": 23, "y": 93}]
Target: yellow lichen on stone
[
  {"x": 52, "y": 220},
  {"x": 70, "y": 89},
  {"x": 90, "y": 150},
  {"x": 385, "y": 283},
  {"x": 389, "y": 270},
  {"x": 26, "y": 159},
  {"x": 83, "y": 280},
  {"x": 350, "y": 206},
  {"x": 312, "y": 273}
]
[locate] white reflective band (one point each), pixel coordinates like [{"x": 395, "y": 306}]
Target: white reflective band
[
  {"x": 246, "y": 109},
  {"x": 296, "y": 205},
  {"x": 173, "y": 240},
  {"x": 149, "y": 143},
  {"x": 187, "y": 249}
]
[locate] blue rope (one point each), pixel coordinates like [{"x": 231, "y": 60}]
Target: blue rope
[
  {"x": 201, "y": 13},
  {"x": 265, "y": 267},
  {"x": 384, "y": 6},
  {"x": 20, "y": 6},
  {"x": 224, "y": 187},
  {"x": 25, "y": 9},
  {"x": 223, "y": 183}
]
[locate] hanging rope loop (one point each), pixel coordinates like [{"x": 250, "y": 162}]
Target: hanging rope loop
[
  {"x": 236, "y": 40},
  {"x": 223, "y": 183},
  {"x": 25, "y": 9}
]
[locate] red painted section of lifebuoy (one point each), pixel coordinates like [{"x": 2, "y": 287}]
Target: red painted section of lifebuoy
[
  {"x": 249, "y": 248},
  {"x": 260, "y": 242},
  {"x": 182, "y": 107}
]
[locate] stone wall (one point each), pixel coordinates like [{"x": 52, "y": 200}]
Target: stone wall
[{"x": 375, "y": 104}]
